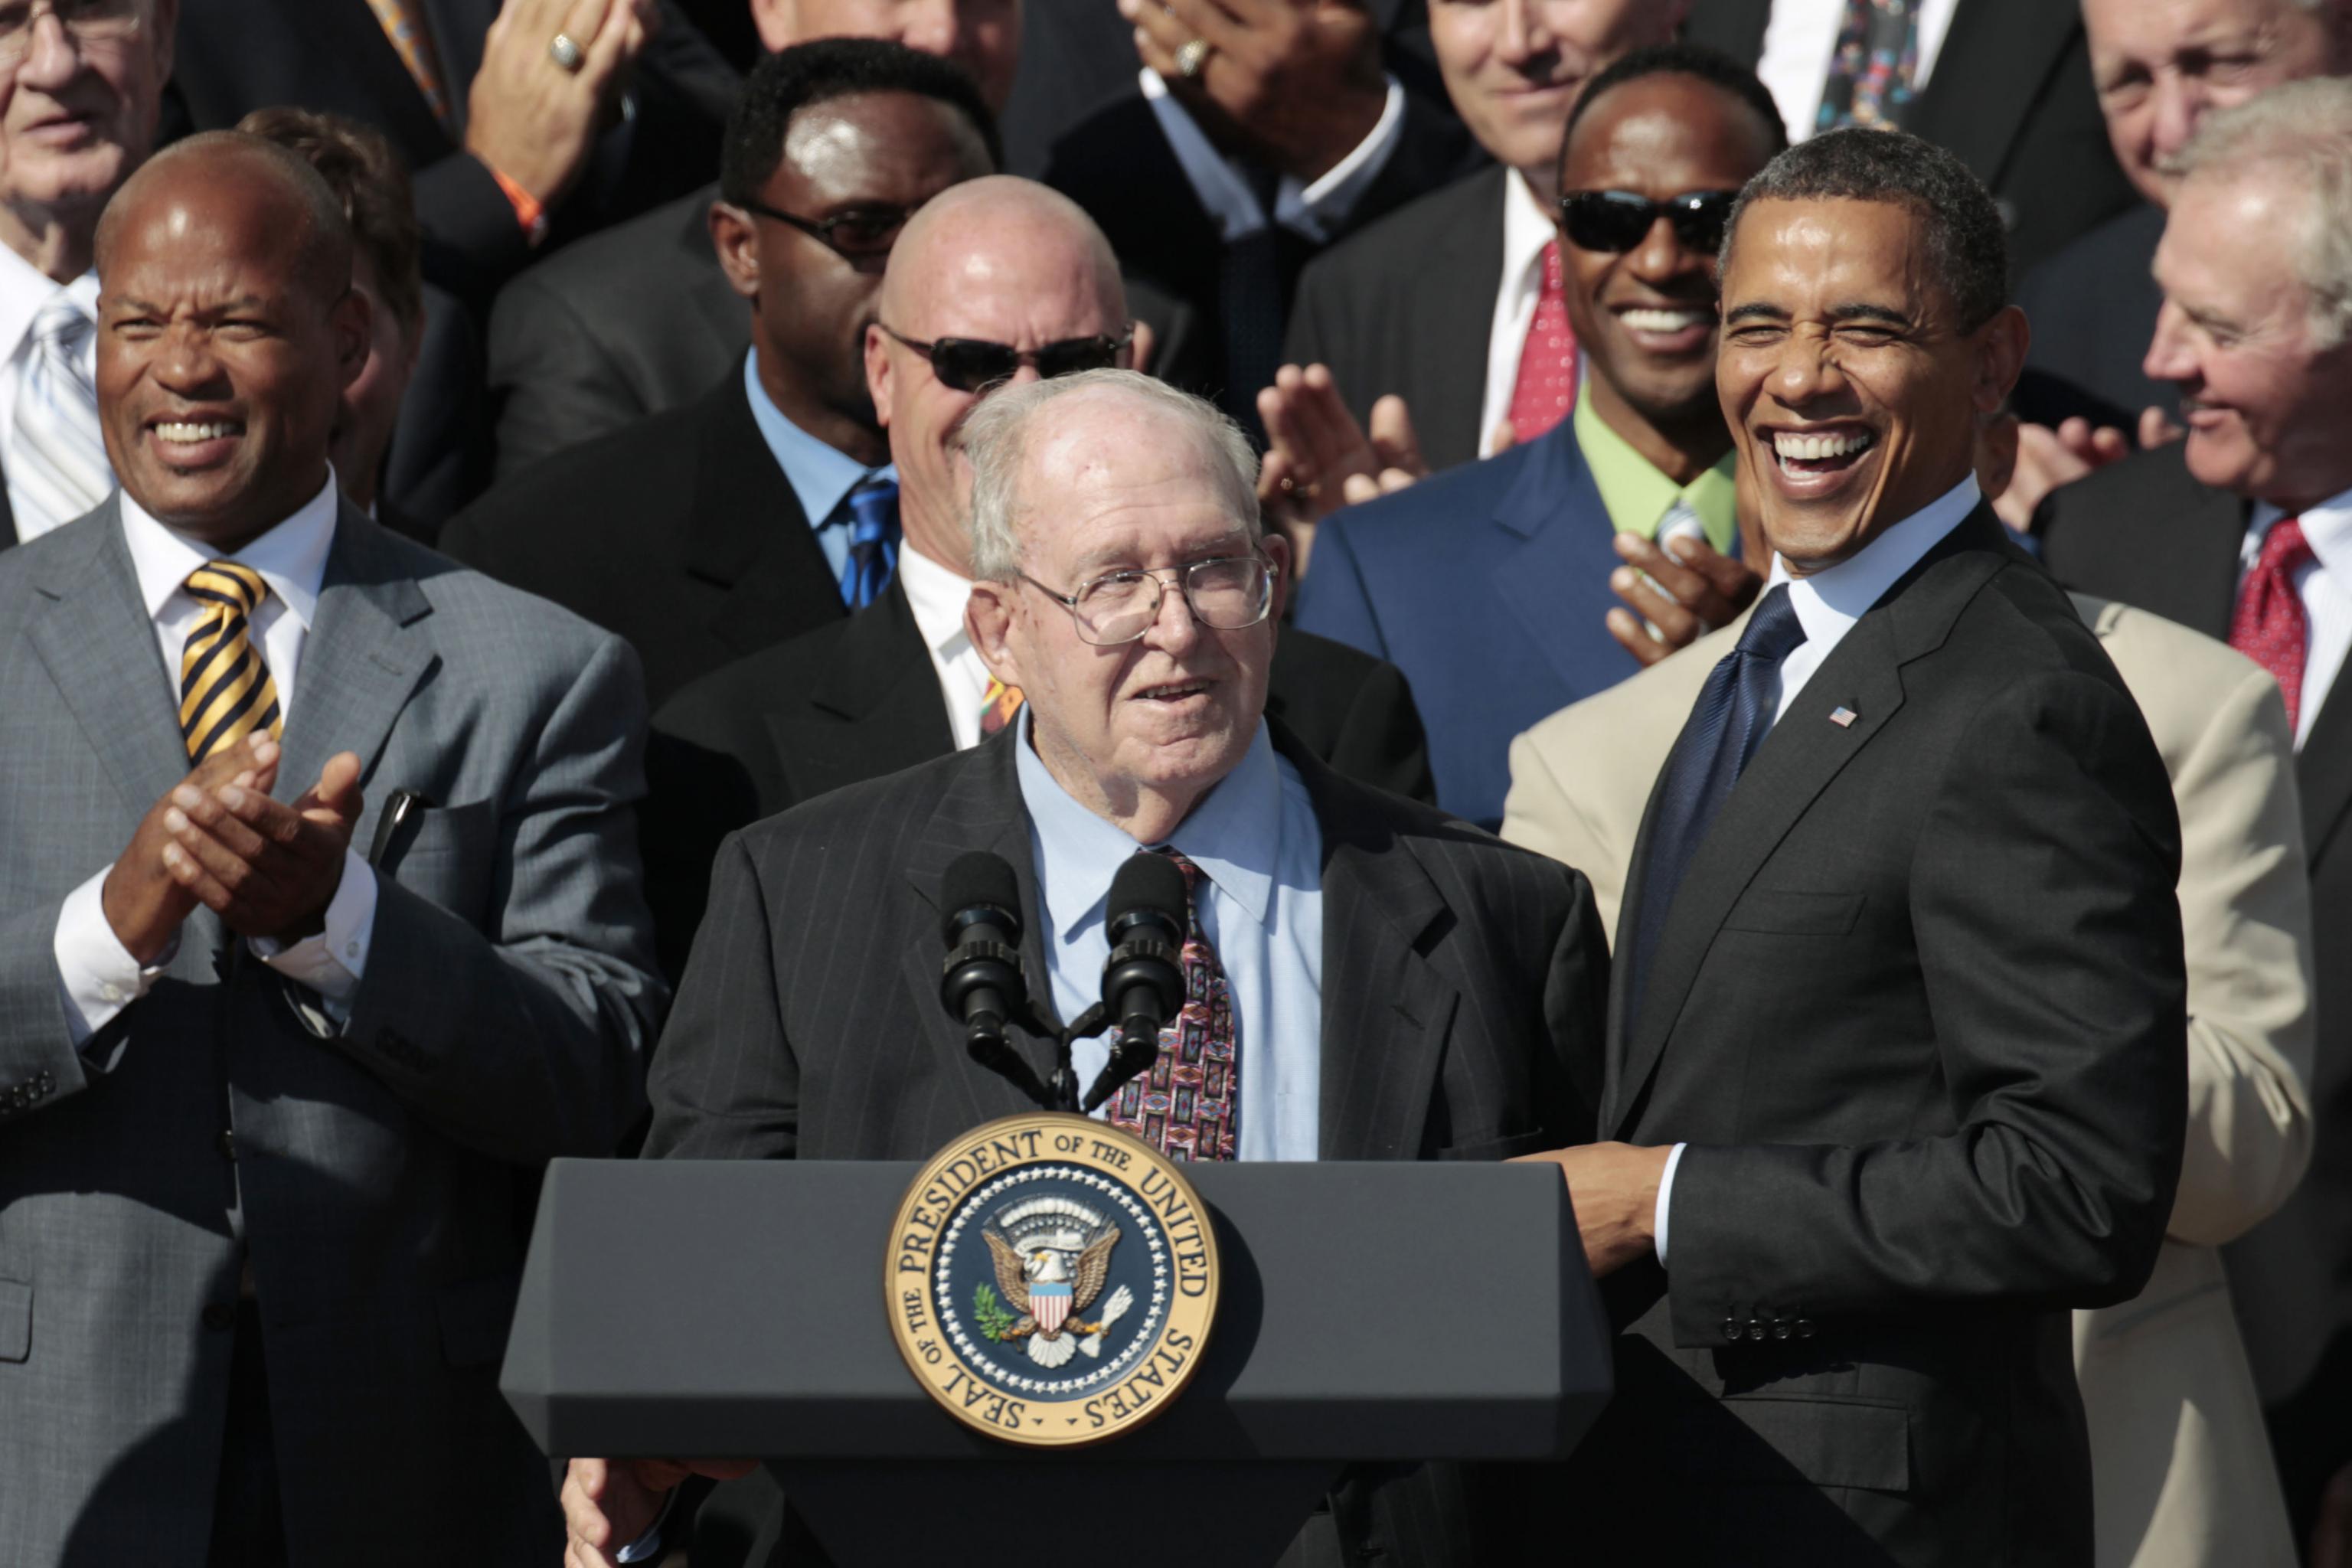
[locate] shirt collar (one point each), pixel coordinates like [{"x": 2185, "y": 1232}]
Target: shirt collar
[
  {"x": 1527, "y": 229},
  {"x": 2326, "y": 527},
  {"x": 1233, "y": 835},
  {"x": 822, "y": 476},
  {"x": 290, "y": 557},
  {"x": 24, "y": 289},
  {"x": 1829, "y": 601},
  {"x": 1637, "y": 496},
  {"x": 937, "y": 595}
]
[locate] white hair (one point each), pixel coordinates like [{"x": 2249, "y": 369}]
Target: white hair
[
  {"x": 2303, "y": 130},
  {"x": 996, "y": 437}
]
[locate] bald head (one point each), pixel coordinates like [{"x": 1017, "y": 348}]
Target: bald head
[
  {"x": 996, "y": 234},
  {"x": 249, "y": 186}
]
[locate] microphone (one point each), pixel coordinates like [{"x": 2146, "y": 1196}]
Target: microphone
[
  {"x": 981, "y": 984},
  {"x": 1143, "y": 978}
]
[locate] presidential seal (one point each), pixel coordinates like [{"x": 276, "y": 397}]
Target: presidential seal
[{"x": 1052, "y": 1280}]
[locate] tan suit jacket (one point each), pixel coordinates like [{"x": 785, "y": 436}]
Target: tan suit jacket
[{"x": 2182, "y": 1464}]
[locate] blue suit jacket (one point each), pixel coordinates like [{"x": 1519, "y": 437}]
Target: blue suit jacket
[{"x": 1488, "y": 586}]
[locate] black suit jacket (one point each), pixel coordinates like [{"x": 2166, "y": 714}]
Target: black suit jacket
[
  {"x": 1407, "y": 305},
  {"x": 2093, "y": 308},
  {"x": 1116, "y": 164},
  {"x": 2010, "y": 94},
  {"x": 2147, "y": 533},
  {"x": 1918, "y": 1009},
  {"x": 680, "y": 533},
  {"x": 858, "y": 698},
  {"x": 1460, "y": 975}
]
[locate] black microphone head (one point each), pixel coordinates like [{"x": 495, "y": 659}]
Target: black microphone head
[
  {"x": 978, "y": 879},
  {"x": 1147, "y": 884}
]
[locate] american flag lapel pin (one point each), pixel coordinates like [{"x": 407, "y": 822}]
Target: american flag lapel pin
[{"x": 1843, "y": 717}]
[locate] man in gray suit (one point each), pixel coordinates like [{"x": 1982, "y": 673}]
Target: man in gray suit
[
  {"x": 265, "y": 1100},
  {"x": 1401, "y": 985}
]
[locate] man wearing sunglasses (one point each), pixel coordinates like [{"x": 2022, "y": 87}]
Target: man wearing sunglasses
[
  {"x": 997, "y": 282},
  {"x": 1495, "y": 586},
  {"x": 765, "y": 509},
  {"x": 1396, "y": 987}
]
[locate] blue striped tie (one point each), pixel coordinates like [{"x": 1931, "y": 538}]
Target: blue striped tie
[
  {"x": 57, "y": 467},
  {"x": 873, "y": 541}
]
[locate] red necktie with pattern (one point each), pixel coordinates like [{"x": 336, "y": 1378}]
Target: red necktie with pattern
[
  {"x": 2270, "y": 627},
  {"x": 1546, "y": 389},
  {"x": 1187, "y": 1105}
]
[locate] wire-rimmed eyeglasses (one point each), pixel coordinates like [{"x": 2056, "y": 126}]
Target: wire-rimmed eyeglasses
[{"x": 1224, "y": 592}]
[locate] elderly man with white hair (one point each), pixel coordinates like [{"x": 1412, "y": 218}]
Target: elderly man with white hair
[
  {"x": 2244, "y": 531},
  {"x": 1402, "y": 987}
]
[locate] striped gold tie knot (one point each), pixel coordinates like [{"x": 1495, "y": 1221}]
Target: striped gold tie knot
[{"x": 226, "y": 692}]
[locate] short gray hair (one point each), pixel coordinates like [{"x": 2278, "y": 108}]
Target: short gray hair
[
  {"x": 996, "y": 440},
  {"x": 2303, "y": 130}
]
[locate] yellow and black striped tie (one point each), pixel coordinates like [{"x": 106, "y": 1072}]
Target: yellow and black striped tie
[{"x": 226, "y": 692}]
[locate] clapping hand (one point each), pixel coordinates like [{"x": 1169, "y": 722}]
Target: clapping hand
[
  {"x": 2044, "y": 458},
  {"x": 528, "y": 116},
  {"x": 1684, "y": 594},
  {"x": 1318, "y": 458},
  {"x": 268, "y": 868}
]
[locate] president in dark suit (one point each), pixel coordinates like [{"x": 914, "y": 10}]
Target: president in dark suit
[
  {"x": 2244, "y": 531},
  {"x": 1897, "y": 1054},
  {"x": 1490, "y": 585},
  {"x": 1402, "y": 987},
  {"x": 994, "y": 261},
  {"x": 284, "y": 1040},
  {"x": 2004, "y": 84},
  {"x": 715, "y": 529}
]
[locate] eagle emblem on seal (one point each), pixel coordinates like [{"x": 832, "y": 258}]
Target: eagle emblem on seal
[{"x": 1052, "y": 1255}]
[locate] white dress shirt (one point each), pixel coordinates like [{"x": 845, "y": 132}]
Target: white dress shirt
[
  {"x": 937, "y": 595},
  {"x": 1527, "y": 229},
  {"x": 1800, "y": 38},
  {"x": 1260, "y": 851},
  {"x": 24, "y": 289},
  {"x": 98, "y": 975},
  {"x": 1828, "y": 603},
  {"x": 1316, "y": 211},
  {"x": 2325, "y": 587}
]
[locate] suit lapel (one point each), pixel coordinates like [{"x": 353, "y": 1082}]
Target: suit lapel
[
  {"x": 1803, "y": 752},
  {"x": 1451, "y": 328},
  {"x": 750, "y": 534},
  {"x": 1386, "y": 1009},
  {"x": 2323, "y": 768},
  {"x": 93, "y": 631},
  {"x": 1557, "y": 583},
  {"x": 364, "y": 655},
  {"x": 1993, "y": 68},
  {"x": 982, "y": 810},
  {"x": 878, "y": 685}
]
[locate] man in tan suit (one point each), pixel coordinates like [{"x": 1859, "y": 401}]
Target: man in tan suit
[{"x": 2182, "y": 1471}]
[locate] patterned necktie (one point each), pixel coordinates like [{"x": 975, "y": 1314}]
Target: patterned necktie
[
  {"x": 1188, "y": 1105},
  {"x": 873, "y": 541},
  {"x": 403, "y": 28},
  {"x": 1546, "y": 388},
  {"x": 58, "y": 469},
  {"x": 1876, "y": 61},
  {"x": 1728, "y": 723},
  {"x": 226, "y": 692},
  {"x": 2269, "y": 626},
  {"x": 998, "y": 707}
]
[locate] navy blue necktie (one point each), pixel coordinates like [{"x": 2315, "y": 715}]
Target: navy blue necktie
[
  {"x": 1734, "y": 711},
  {"x": 873, "y": 541}
]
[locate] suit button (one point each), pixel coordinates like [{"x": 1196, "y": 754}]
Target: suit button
[
  {"x": 220, "y": 1316},
  {"x": 1804, "y": 1328},
  {"x": 1755, "y": 1328},
  {"x": 1780, "y": 1328},
  {"x": 1730, "y": 1328},
  {"x": 227, "y": 1144}
]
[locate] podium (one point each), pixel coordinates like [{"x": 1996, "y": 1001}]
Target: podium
[{"x": 1369, "y": 1313}]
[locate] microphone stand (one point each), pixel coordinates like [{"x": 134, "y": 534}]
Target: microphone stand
[{"x": 1060, "y": 1090}]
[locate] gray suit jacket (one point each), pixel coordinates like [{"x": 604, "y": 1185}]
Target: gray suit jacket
[{"x": 379, "y": 1179}]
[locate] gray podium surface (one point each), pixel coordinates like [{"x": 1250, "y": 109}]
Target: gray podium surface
[{"x": 1368, "y": 1312}]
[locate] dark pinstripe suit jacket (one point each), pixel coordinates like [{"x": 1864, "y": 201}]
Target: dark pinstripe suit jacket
[{"x": 1463, "y": 980}]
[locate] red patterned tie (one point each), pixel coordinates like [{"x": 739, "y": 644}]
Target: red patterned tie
[
  {"x": 1186, "y": 1105},
  {"x": 1546, "y": 389},
  {"x": 2270, "y": 627}
]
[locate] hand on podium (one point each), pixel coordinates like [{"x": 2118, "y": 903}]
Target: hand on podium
[
  {"x": 1614, "y": 1187},
  {"x": 609, "y": 1503}
]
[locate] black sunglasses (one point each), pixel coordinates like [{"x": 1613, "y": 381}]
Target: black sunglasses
[
  {"x": 975, "y": 364},
  {"x": 1620, "y": 220},
  {"x": 861, "y": 233}
]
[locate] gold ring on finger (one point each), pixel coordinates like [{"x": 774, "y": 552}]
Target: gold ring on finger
[{"x": 1192, "y": 57}]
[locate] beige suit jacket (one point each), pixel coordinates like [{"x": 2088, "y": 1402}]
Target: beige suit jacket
[{"x": 2181, "y": 1464}]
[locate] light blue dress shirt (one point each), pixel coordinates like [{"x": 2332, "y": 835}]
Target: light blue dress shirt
[
  {"x": 1260, "y": 851},
  {"x": 821, "y": 476}
]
